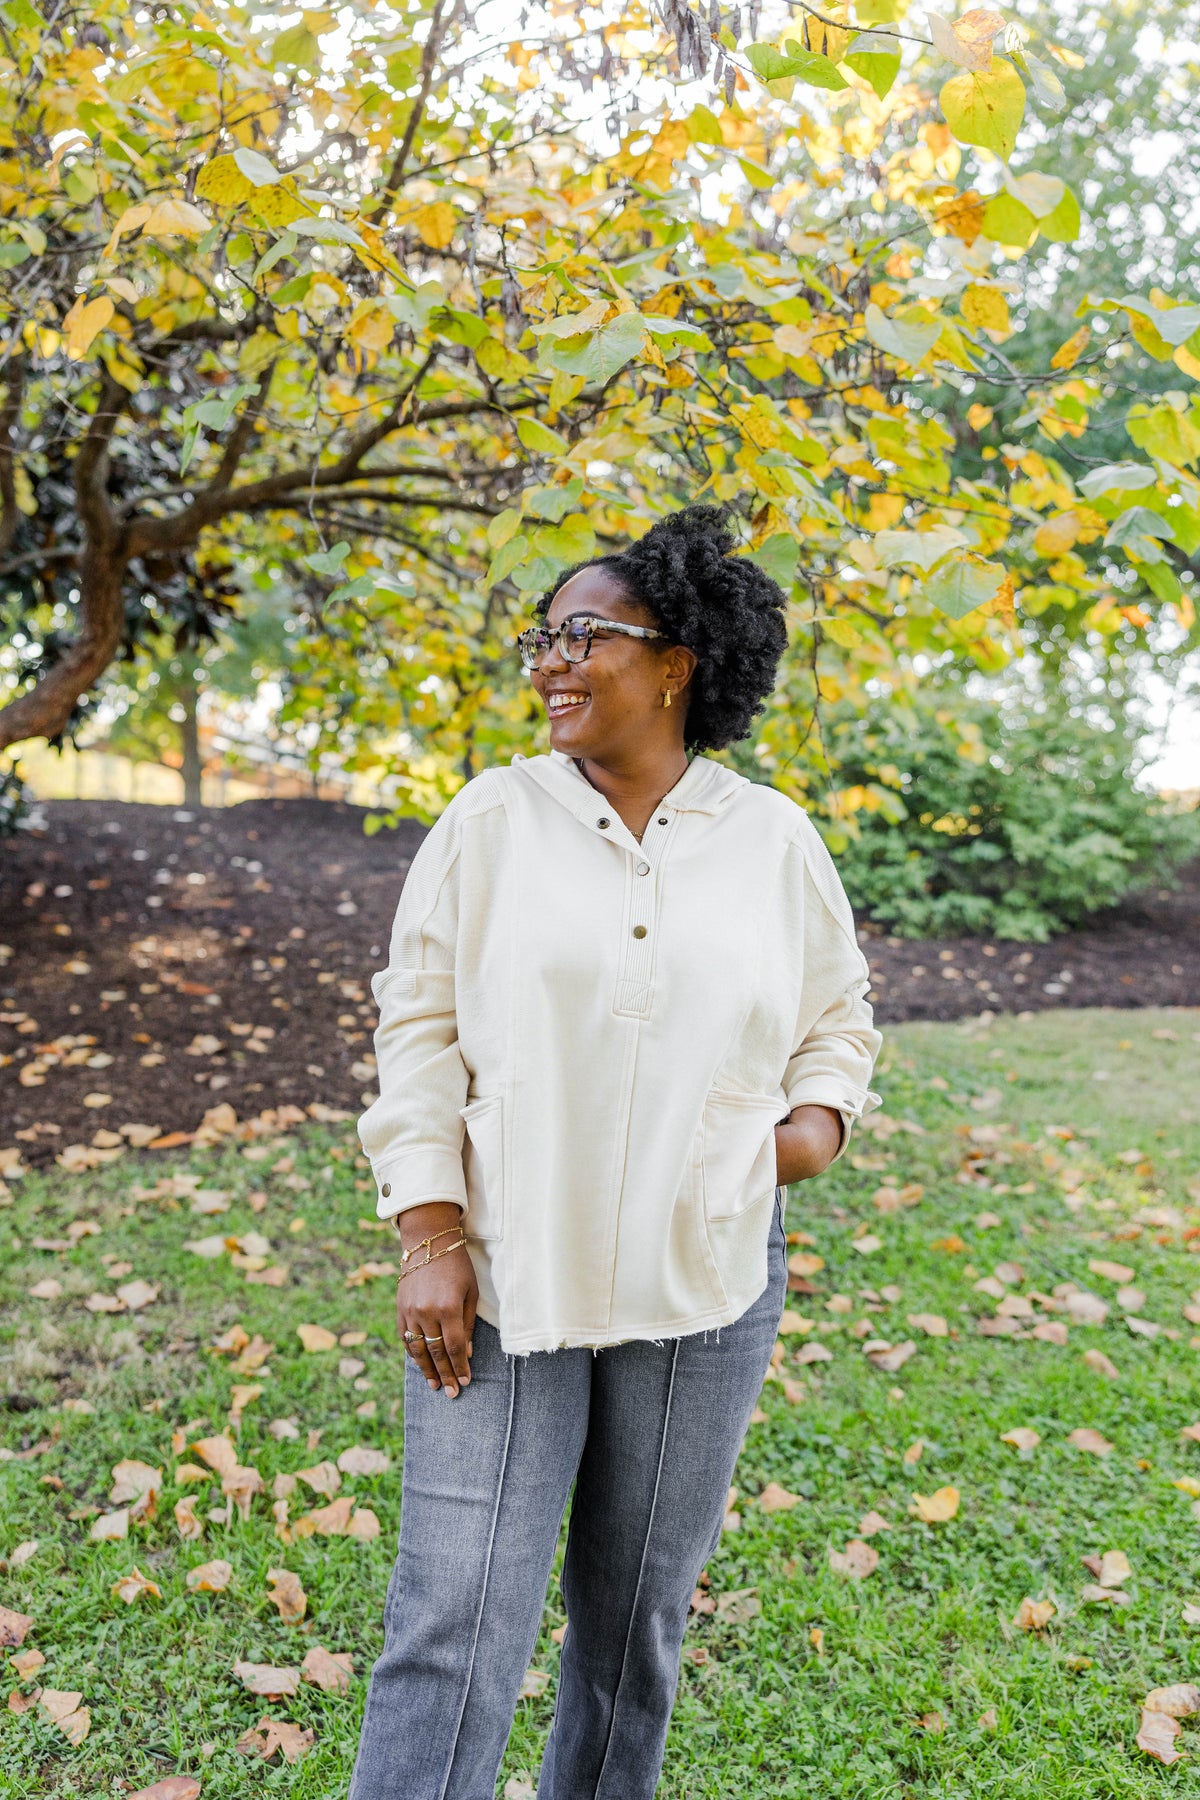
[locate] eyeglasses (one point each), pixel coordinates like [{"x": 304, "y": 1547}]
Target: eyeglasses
[{"x": 574, "y": 637}]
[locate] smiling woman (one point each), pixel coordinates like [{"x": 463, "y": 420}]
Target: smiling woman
[{"x": 624, "y": 1007}]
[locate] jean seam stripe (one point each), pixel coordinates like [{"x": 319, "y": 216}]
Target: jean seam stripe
[
  {"x": 483, "y": 1590},
  {"x": 637, "y": 1592}
]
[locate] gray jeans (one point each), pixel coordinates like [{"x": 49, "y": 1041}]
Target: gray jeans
[{"x": 649, "y": 1433}]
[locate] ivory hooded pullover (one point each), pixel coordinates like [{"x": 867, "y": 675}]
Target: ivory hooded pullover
[{"x": 587, "y": 1042}]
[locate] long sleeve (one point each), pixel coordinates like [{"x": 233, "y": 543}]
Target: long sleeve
[
  {"x": 413, "y": 1132},
  {"x": 836, "y": 1042}
]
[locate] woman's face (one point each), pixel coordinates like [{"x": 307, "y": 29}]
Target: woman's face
[{"x": 615, "y": 695}]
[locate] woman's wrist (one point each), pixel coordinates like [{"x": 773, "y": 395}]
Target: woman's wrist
[
  {"x": 422, "y": 1221},
  {"x": 807, "y": 1142}
]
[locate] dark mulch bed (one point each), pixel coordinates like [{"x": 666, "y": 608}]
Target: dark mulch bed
[{"x": 177, "y": 941}]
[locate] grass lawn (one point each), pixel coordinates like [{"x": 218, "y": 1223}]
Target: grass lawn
[{"x": 1051, "y": 1142}]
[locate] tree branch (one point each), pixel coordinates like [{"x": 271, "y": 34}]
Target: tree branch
[{"x": 445, "y": 12}]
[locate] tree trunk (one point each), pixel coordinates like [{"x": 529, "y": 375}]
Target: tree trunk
[{"x": 189, "y": 734}]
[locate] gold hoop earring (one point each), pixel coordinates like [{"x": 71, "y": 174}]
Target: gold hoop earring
[{"x": 666, "y": 696}]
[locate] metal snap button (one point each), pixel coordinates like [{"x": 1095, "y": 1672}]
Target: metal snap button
[
  {"x": 643, "y": 868},
  {"x": 662, "y": 821},
  {"x": 386, "y": 1190},
  {"x": 604, "y": 824},
  {"x": 639, "y": 931}
]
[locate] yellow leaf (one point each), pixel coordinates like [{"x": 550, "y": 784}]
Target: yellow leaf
[
  {"x": 288, "y": 1595},
  {"x": 1034, "y": 1615},
  {"x": 435, "y": 224},
  {"x": 316, "y": 1337},
  {"x": 1056, "y": 535},
  {"x": 222, "y": 182},
  {"x": 83, "y": 324},
  {"x": 987, "y": 310},
  {"x": 1021, "y": 1437},
  {"x": 132, "y": 1586},
  {"x": 210, "y": 1577},
  {"x": 1068, "y": 354},
  {"x": 857, "y": 1560},
  {"x": 177, "y": 218},
  {"x": 937, "y": 1508},
  {"x": 979, "y": 416}
]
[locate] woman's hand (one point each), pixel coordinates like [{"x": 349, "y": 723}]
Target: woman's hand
[
  {"x": 437, "y": 1301},
  {"x": 806, "y": 1143}
]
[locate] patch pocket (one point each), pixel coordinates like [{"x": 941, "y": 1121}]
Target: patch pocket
[
  {"x": 483, "y": 1167},
  {"x": 738, "y": 1162}
]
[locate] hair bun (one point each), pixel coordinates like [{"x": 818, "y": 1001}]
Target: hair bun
[{"x": 705, "y": 528}]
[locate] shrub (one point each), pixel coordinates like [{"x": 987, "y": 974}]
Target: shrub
[{"x": 978, "y": 821}]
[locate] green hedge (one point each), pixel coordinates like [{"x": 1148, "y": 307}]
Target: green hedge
[{"x": 993, "y": 824}]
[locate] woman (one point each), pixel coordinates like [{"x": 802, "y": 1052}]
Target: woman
[{"x": 623, "y": 1010}]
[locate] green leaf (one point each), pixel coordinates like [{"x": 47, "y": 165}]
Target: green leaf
[
  {"x": 296, "y": 48},
  {"x": 1138, "y": 522},
  {"x": 1040, "y": 193},
  {"x": 506, "y": 560},
  {"x": 962, "y": 584},
  {"x": 777, "y": 557},
  {"x": 1006, "y": 220},
  {"x": 504, "y": 527},
  {"x": 1162, "y": 431},
  {"x": 1062, "y": 225},
  {"x": 552, "y": 502},
  {"x": 1162, "y": 581},
  {"x": 770, "y": 64},
  {"x": 704, "y": 128},
  {"x": 284, "y": 245},
  {"x": 924, "y": 548},
  {"x": 540, "y": 439},
  {"x": 757, "y": 177},
  {"x": 535, "y": 576},
  {"x": 13, "y": 254},
  {"x": 571, "y": 542},
  {"x": 1114, "y": 477},
  {"x": 1047, "y": 88},
  {"x": 873, "y": 59},
  {"x": 257, "y": 168},
  {"x": 986, "y": 106},
  {"x": 328, "y": 562},
  {"x": 908, "y": 340}
]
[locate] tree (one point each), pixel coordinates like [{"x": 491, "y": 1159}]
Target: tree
[{"x": 403, "y": 320}]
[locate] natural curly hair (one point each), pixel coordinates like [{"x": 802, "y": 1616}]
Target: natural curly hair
[{"x": 722, "y": 607}]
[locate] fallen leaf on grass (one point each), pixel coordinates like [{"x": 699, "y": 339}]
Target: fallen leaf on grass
[
  {"x": 361, "y": 1460},
  {"x": 857, "y": 1560},
  {"x": 322, "y": 1478},
  {"x": 936, "y": 1508},
  {"x": 1111, "y": 1271},
  {"x": 793, "y": 1324},
  {"x": 1086, "y": 1309},
  {"x": 288, "y": 1595},
  {"x": 1156, "y": 1736},
  {"x": 316, "y": 1337},
  {"x": 64, "y": 1710},
  {"x": 191, "y": 1529},
  {"x": 365, "y": 1524},
  {"x": 329, "y": 1670},
  {"x": 1096, "y": 1359},
  {"x": 738, "y": 1606},
  {"x": 814, "y": 1353},
  {"x": 210, "y": 1577},
  {"x": 132, "y": 1586},
  {"x": 172, "y": 1787},
  {"x": 533, "y": 1682},
  {"x": 136, "y": 1294},
  {"x": 1179, "y": 1702},
  {"x": 932, "y": 1324},
  {"x": 1034, "y": 1615},
  {"x": 1191, "y": 1613},
  {"x": 867, "y": 1244},
  {"x": 1114, "y": 1569},
  {"x": 49, "y": 1289},
  {"x": 1050, "y": 1331},
  {"x": 913, "y": 1454},
  {"x": 871, "y": 1523},
  {"x": 27, "y": 1664},
  {"x": 1021, "y": 1437},
  {"x": 137, "y": 1485},
  {"x": 13, "y": 1627},
  {"x": 1191, "y": 1432},
  {"x": 220, "y": 1453},
  {"x": 1084, "y": 1438},
  {"x": 110, "y": 1526},
  {"x": 932, "y": 1722},
  {"x": 267, "y": 1682},
  {"x": 777, "y": 1499},
  {"x": 804, "y": 1264},
  {"x": 889, "y": 1357},
  {"x": 328, "y": 1521},
  {"x": 270, "y": 1735},
  {"x": 1093, "y": 1593}
]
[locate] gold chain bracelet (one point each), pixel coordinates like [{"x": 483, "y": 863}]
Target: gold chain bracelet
[{"x": 431, "y": 1255}]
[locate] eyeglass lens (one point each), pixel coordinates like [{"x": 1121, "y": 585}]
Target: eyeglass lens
[{"x": 573, "y": 638}]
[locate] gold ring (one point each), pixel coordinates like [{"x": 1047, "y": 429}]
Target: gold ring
[{"x": 435, "y": 1340}]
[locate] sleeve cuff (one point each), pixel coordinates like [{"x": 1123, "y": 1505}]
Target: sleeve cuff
[{"x": 418, "y": 1177}]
